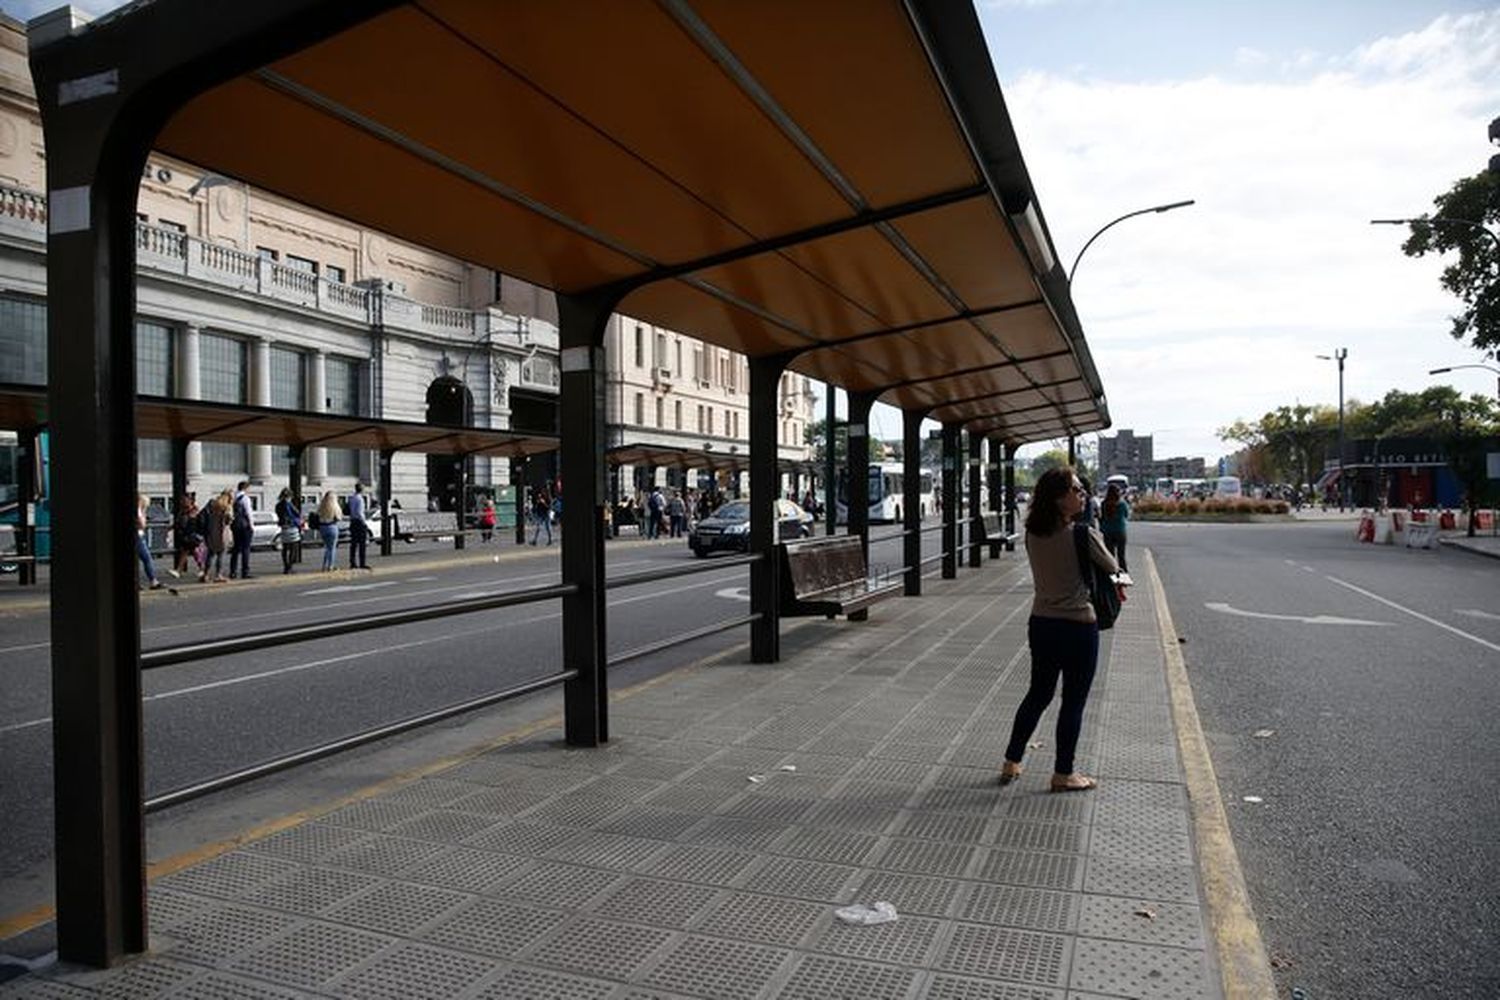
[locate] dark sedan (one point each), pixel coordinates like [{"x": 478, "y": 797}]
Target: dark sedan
[{"x": 729, "y": 527}]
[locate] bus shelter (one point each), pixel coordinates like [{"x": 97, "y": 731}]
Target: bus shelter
[{"x": 833, "y": 189}]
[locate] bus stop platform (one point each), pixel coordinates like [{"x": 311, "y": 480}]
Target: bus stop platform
[{"x": 704, "y": 851}]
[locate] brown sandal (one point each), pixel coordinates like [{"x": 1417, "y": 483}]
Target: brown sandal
[
  {"x": 1009, "y": 772},
  {"x": 1074, "y": 782}
]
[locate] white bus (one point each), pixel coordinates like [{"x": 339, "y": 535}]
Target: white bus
[
  {"x": 1227, "y": 486},
  {"x": 887, "y": 486}
]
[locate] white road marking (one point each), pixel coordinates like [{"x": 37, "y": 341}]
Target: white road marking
[
  {"x": 734, "y": 593},
  {"x": 1476, "y": 613},
  {"x": 348, "y": 588},
  {"x": 1415, "y": 614},
  {"x": 1225, "y": 609}
]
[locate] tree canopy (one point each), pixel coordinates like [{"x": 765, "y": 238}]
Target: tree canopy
[{"x": 1475, "y": 277}]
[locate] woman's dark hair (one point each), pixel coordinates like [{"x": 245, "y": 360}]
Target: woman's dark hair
[
  {"x": 1111, "y": 500},
  {"x": 1045, "y": 515}
]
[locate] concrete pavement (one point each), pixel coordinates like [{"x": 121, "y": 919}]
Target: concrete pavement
[{"x": 704, "y": 850}]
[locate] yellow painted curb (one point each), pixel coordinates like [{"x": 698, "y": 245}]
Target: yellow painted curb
[{"x": 1243, "y": 964}]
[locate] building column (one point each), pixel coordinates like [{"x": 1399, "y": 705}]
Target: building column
[
  {"x": 190, "y": 386},
  {"x": 317, "y": 395},
  {"x": 260, "y": 395},
  {"x": 911, "y": 501},
  {"x": 950, "y": 501},
  {"x": 765, "y": 574}
]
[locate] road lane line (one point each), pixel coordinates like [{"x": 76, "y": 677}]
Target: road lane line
[
  {"x": 1227, "y": 609},
  {"x": 1415, "y": 614},
  {"x": 347, "y": 588},
  {"x": 1476, "y": 613}
]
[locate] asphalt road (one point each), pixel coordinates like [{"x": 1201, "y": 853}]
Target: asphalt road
[
  {"x": 206, "y": 718},
  {"x": 1372, "y": 857}
]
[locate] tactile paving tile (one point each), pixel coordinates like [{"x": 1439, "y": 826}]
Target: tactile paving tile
[
  {"x": 430, "y": 792},
  {"x": 1162, "y": 795},
  {"x": 656, "y": 901},
  {"x": 606, "y": 850},
  {"x": 415, "y": 972},
  {"x": 602, "y": 948},
  {"x": 502, "y": 801},
  {"x": 398, "y": 908},
  {"x": 909, "y": 893},
  {"x": 774, "y": 808},
  {"x": 659, "y": 824},
  {"x": 951, "y": 827},
  {"x": 916, "y": 753},
  {"x": 842, "y": 846},
  {"x": 384, "y": 855},
  {"x": 729, "y": 831},
  {"x": 799, "y": 878},
  {"x": 709, "y": 776},
  {"x": 148, "y": 977},
  {"x": 223, "y": 932},
  {"x": 970, "y": 801},
  {"x": 818, "y": 977},
  {"x": 1016, "y": 906},
  {"x": 750, "y": 760},
  {"x": 949, "y": 776},
  {"x": 443, "y": 826},
  {"x": 861, "y": 816},
  {"x": 166, "y": 908},
  {"x": 466, "y": 868},
  {"x": 558, "y": 884},
  {"x": 1120, "y": 968},
  {"x": 310, "y": 890},
  {"x": 312, "y": 954},
  {"x": 1176, "y": 925},
  {"x": 824, "y": 765},
  {"x": 494, "y": 927},
  {"x": 224, "y": 986},
  {"x": 1141, "y": 844},
  {"x": 898, "y": 771},
  {"x": 523, "y": 983},
  {"x": 692, "y": 798},
  {"x": 650, "y": 768},
  {"x": 709, "y": 865},
  {"x": 306, "y": 842},
  {"x": 374, "y": 815},
  {"x": 925, "y": 857},
  {"x": 1044, "y": 871},
  {"x": 947, "y": 987},
  {"x": 770, "y": 919},
  {"x": 1047, "y": 808},
  {"x": 229, "y": 875},
  {"x": 1139, "y": 767},
  {"x": 1118, "y": 877},
  {"x": 1004, "y": 953},
  {"x": 577, "y": 809},
  {"x": 1063, "y": 838},
  {"x": 725, "y": 970},
  {"x": 906, "y": 941},
  {"x": 522, "y": 838},
  {"x": 1144, "y": 817}
]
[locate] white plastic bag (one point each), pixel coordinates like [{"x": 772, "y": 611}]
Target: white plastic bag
[{"x": 858, "y": 913}]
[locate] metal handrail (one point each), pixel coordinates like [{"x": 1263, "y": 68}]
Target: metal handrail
[
  {"x": 343, "y": 626},
  {"x": 196, "y": 791},
  {"x": 683, "y": 638},
  {"x": 652, "y": 575}
]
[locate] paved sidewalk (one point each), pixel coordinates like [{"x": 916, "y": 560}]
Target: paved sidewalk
[
  {"x": 703, "y": 851},
  {"x": 1482, "y": 544}
]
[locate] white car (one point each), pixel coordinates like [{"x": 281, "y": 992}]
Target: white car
[{"x": 264, "y": 529}]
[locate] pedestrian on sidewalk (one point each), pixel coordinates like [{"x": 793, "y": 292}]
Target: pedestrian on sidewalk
[
  {"x": 328, "y": 515},
  {"x": 142, "y": 549},
  {"x": 289, "y": 524},
  {"x": 242, "y": 532},
  {"x": 487, "y": 520},
  {"x": 216, "y": 537},
  {"x": 1114, "y": 517},
  {"x": 676, "y": 514},
  {"x": 186, "y": 534},
  {"x": 541, "y": 514},
  {"x": 1063, "y": 632},
  {"x": 359, "y": 528}
]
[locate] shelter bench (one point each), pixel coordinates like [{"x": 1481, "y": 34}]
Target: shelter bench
[
  {"x": 829, "y": 576},
  {"x": 410, "y": 525}
]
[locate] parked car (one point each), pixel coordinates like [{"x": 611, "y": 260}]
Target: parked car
[
  {"x": 729, "y": 527},
  {"x": 263, "y": 529}
]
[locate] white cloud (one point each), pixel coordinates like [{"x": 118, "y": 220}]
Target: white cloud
[
  {"x": 1209, "y": 313},
  {"x": 1250, "y": 57}
]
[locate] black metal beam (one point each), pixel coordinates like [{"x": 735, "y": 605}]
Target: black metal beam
[
  {"x": 997, "y": 486},
  {"x": 386, "y": 455},
  {"x": 765, "y": 600},
  {"x": 857, "y": 487},
  {"x": 976, "y": 524},
  {"x": 950, "y": 501},
  {"x": 830, "y": 459},
  {"x": 911, "y": 502},
  {"x": 1010, "y": 494},
  {"x": 26, "y": 494}
]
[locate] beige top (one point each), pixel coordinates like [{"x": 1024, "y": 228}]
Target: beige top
[{"x": 1060, "y": 588}]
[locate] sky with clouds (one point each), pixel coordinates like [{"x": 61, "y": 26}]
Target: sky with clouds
[{"x": 1292, "y": 124}]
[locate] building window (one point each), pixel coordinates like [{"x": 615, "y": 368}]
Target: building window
[
  {"x": 661, "y": 406},
  {"x": 710, "y": 419},
  {"x": 23, "y": 341},
  {"x": 700, "y": 419},
  {"x": 301, "y": 264},
  {"x": 288, "y": 379},
  {"x": 700, "y": 374},
  {"x": 677, "y": 370},
  {"x": 336, "y": 273},
  {"x": 266, "y": 253},
  {"x": 659, "y": 360},
  {"x": 175, "y": 227},
  {"x": 640, "y": 347},
  {"x": 677, "y": 413},
  {"x": 153, "y": 377},
  {"x": 640, "y": 410},
  {"x": 222, "y": 379},
  {"x": 346, "y": 397}
]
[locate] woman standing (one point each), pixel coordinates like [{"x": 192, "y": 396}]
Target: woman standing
[
  {"x": 487, "y": 520},
  {"x": 1113, "y": 519},
  {"x": 142, "y": 549},
  {"x": 186, "y": 535},
  {"x": 1062, "y": 632},
  {"x": 213, "y": 538},
  {"x": 328, "y": 528},
  {"x": 289, "y": 523}
]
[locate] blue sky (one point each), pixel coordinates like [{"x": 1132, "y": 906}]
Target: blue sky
[{"x": 1292, "y": 124}]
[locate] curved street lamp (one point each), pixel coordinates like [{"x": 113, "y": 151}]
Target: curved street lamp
[
  {"x": 1127, "y": 215},
  {"x": 1443, "y": 220},
  {"x": 1489, "y": 368}
]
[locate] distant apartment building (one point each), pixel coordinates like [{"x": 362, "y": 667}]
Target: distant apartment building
[
  {"x": 1126, "y": 454},
  {"x": 245, "y": 297}
]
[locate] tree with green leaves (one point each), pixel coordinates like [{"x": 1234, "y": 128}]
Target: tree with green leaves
[
  {"x": 816, "y": 435},
  {"x": 1289, "y": 442},
  {"x": 1467, "y": 220}
]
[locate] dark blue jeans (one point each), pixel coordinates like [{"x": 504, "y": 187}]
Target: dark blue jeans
[{"x": 1058, "y": 647}]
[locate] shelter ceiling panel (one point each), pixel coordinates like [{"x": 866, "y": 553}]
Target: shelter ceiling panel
[
  {"x": 1026, "y": 332},
  {"x": 679, "y": 305},
  {"x": 664, "y": 100},
  {"x": 1050, "y": 369},
  {"x": 524, "y": 139},
  {"x": 823, "y": 61},
  {"x": 778, "y": 286},
  {"x": 970, "y": 248},
  {"x": 1037, "y": 404},
  {"x": 867, "y": 269},
  {"x": 317, "y": 160},
  {"x": 847, "y": 367}
]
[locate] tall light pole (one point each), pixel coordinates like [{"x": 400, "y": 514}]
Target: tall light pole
[
  {"x": 1444, "y": 220},
  {"x": 1489, "y": 368},
  {"x": 1114, "y": 222},
  {"x": 1339, "y": 356}
]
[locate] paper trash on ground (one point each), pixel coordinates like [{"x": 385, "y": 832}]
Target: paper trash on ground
[{"x": 858, "y": 913}]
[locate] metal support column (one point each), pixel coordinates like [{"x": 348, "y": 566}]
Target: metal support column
[
  {"x": 1010, "y": 494},
  {"x": 518, "y": 487},
  {"x": 582, "y": 322},
  {"x": 386, "y": 455},
  {"x": 26, "y": 494},
  {"x": 976, "y": 522},
  {"x": 295, "y": 455},
  {"x": 461, "y": 472},
  {"x": 950, "y": 501},
  {"x": 857, "y": 478},
  {"x": 765, "y": 600},
  {"x": 1073, "y": 451},
  {"x": 997, "y": 488},
  {"x": 911, "y": 500},
  {"x": 830, "y": 465}
]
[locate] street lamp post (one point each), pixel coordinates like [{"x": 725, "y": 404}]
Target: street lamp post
[
  {"x": 1446, "y": 221},
  {"x": 1111, "y": 224},
  {"x": 1339, "y": 356},
  {"x": 1489, "y": 368}
]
